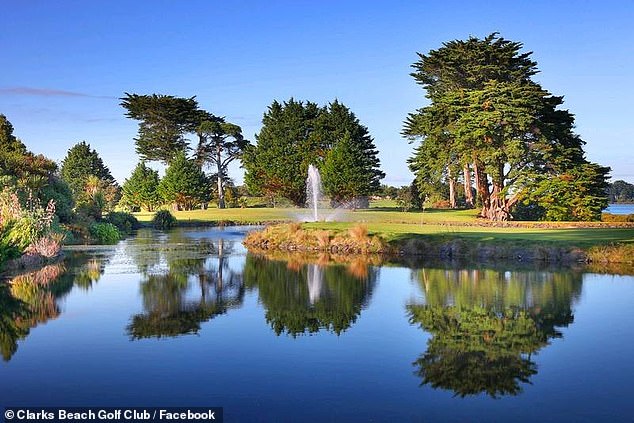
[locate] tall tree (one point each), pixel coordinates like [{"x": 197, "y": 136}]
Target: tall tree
[
  {"x": 184, "y": 184},
  {"x": 621, "y": 192},
  {"x": 357, "y": 157},
  {"x": 141, "y": 188},
  {"x": 488, "y": 115},
  {"x": 295, "y": 135},
  {"x": 163, "y": 122},
  {"x": 277, "y": 165},
  {"x": 82, "y": 161},
  {"x": 344, "y": 173},
  {"x": 219, "y": 144},
  {"x": 18, "y": 162}
]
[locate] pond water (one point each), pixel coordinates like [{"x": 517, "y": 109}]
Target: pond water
[
  {"x": 620, "y": 209},
  {"x": 188, "y": 318}
]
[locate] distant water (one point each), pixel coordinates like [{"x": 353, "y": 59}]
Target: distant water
[{"x": 620, "y": 209}]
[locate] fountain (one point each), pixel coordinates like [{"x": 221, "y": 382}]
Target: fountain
[{"x": 313, "y": 190}]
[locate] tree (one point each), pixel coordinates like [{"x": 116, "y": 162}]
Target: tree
[
  {"x": 357, "y": 157},
  {"x": 219, "y": 144},
  {"x": 163, "y": 122},
  {"x": 489, "y": 116},
  {"x": 344, "y": 173},
  {"x": 295, "y": 135},
  {"x": 184, "y": 184},
  {"x": 141, "y": 189},
  {"x": 16, "y": 161},
  {"x": 277, "y": 165},
  {"x": 82, "y": 161},
  {"x": 621, "y": 192},
  {"x": 93, "y": 187}
]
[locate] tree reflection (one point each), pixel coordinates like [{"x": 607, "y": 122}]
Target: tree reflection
[
  {"x": 197, "y": 286},
  {"x": 28, "y": 300},
  {"x": 486, "y": 324},
  {"x": 303, "y": 298}
]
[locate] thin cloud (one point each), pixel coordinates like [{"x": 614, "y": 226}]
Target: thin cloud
[{"x": 48, "y": 92}]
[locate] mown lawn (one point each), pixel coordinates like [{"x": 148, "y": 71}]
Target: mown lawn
[{"x": 392, "y": 224}]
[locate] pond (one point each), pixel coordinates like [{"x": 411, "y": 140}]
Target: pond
[{"x": 189, "y": 318}]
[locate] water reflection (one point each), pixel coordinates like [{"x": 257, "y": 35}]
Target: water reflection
[
  {"x": 486, "y": 324},
  {"x": 193, "y": 284},
  {"x": 28, "y": 300},
  {"x": 304, "y": 297}
]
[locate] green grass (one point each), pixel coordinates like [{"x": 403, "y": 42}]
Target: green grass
[{"x": 394, "y": 225}]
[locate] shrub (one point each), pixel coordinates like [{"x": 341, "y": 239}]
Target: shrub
[
  {"x": 163, "y": 219},
  {"x": 105, "y": 233},
  {"x": 125, "y": 222}
]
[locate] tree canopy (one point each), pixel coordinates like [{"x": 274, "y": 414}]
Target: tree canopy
[
  {"x": 296, "y": 134},
  {"x": 219, "y": 144},
  {"x": 141, "y": 188},
  {"x": 489, "y": 118},
  {"x": 184, "y": 184},
  {"x": 163, "y": 122}
]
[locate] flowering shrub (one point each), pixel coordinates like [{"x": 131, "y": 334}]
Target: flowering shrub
[{"x": 26, "y": 228}]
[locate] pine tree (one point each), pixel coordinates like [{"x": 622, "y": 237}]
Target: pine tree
[
  {"x": 488, "y": 116},
  {"x": 141, "y": 189},
  {"x": 184, "y": 184}
]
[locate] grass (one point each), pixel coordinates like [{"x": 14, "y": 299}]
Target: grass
[{"x": 393, "y": 226}]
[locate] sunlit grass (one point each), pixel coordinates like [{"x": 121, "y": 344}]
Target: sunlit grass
[{"x": 393, "y": 225}]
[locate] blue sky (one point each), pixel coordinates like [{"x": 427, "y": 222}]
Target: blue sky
[{"x": 64, "y": 64}]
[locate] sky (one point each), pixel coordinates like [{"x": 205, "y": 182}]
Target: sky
[{"x": 65, "y": 64}]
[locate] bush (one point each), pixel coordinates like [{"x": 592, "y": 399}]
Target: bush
[
  {"x": 163, "y": 219},
  {"x": 125, "y": 222},
  {"x": 105, "y": 233},
  {"x": 59, "y": 191}
]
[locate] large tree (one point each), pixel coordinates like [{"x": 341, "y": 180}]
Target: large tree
[
  {"x": 16, "y": 161},
  {"x": 93, "y": 186},
  {"x": 488, "y": 117},
  {"x": 82, "y": 161},
  {"x": 141, "y": 188},
  {"x": 295, "y": 135},
  {"x": 163, "y": 122},
  {"x": 277, "y": 165},
  {"x": 219, "y": 143},
  {"x": 184, "y": 184}
]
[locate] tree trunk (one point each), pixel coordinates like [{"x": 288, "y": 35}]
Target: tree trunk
[
  {"x": 499, "y": 206},
  {"x": 452, "y": 193},
  {"x": 221, "y": 191},
  {"x": 482, "y": 187},
  {"x": 468, "y": 194}
]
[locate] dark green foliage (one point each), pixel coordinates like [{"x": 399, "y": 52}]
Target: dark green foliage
[
  {"x": 345, "y": 172},
  {"x": 219, "y": 144},
  {"x": 140, "y": 190},
  {"x": 184, "y": 184},
  {"x": 105, "y": 233},
  {"x": 290, "y": 306},
  {"x": 488, "y": 116},
  {"x": 59, "y": 191},
  {"x": 32, "y": 171},
  {"x": 621, "y": 192},
  {"x": 485, "y": 324},
  {"x": 577, "y": 194},
  {"x": 163, "y": 219},
  {"x": 80, "y": 163},
  {"x": 163, "y": 122},
  {"x": 297, "y": 134},
  {"x": 125, "y": 222},
  {"x": 278, "y": 164}
]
